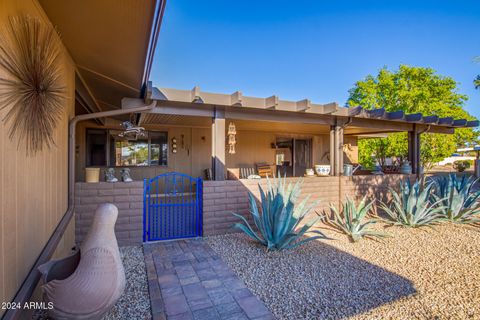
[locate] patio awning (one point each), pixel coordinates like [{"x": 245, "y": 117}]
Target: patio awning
[
  {"x": 197, "y": 103},
  {"x": 112, "y": 44}
]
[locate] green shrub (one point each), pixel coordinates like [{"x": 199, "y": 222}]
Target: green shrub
[
  {"x": 278, "y": 220},
  {"x": 460, "y": 203},
  {"x": 412, "y": 206},
  {"x": 351, "y": 220},
  {"x": 462, "y": 165}
]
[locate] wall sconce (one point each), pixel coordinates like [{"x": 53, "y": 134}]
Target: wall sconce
[{"x": 174, "y": 145}]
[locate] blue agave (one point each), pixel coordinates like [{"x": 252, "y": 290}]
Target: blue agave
[
  {"x": 351, "y": 220},
  {"x": 278, "y": 221},
  {"x": 461, "y": 204},
  {"x": 412, "y": 206}
]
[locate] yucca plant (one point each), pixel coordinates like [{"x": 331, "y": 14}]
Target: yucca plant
[
  {"x": 460, "y": 203},
  {"x": 278, "y": 221},
  {"x": 412, "y": 206},
  {"x": 351, "y": 220}
]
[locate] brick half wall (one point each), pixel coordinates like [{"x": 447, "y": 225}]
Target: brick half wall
[
  {"x": 128, "y": 197},
  {"x": 221, "y": 198}
]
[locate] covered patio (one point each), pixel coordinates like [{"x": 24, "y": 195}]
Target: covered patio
[{"x": 276, "y": 135}]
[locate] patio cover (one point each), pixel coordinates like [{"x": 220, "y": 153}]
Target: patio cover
[
  {"x": 356, "y": 120},
  {"x": 112, "y": 43}
]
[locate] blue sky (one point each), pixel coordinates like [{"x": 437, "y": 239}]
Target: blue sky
[{"x": 313, "y": 49}]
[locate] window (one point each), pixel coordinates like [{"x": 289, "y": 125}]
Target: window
[
  {"x": 96, "y": 147},
  {"x": 151, "y": 150},
  {"x": 158, "y": 148}
]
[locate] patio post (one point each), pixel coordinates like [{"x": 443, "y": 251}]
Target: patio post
[
  {"x": 337, "y": 149},
  {"x": 218, "y": 144},
  {"x": 332, "y": 150},
  {"x": 414, "y": 149},
  {"x": 340, "y": 150}
]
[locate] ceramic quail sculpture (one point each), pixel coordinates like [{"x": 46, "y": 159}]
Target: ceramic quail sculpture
[
  {"x": 110, "y": 175},
  {"x": 99, "y": 279}
]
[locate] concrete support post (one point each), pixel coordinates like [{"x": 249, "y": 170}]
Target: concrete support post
[
  {"x": 414, "y": 149},
  {"x": 337, "y": 149},
  {"x": 218, "y": 145},
  {"x": 332, "y": 150},
  {"x": 340, "y": 150}
]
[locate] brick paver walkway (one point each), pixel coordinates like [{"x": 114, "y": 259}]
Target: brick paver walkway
[{"x": 188, "y": 280}]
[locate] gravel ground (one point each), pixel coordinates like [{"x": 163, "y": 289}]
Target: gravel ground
[
  {"x": 134, "y": 303},
  {"x": 416, "y": 274}
]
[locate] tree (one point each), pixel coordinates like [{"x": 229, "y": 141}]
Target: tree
[{"x": 411, "y": 89}]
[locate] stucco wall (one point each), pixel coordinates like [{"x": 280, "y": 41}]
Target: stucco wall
[
  {"x": 252, "y": 147},
  {"x": 33, "y": 190},
  {"x": 193, "y": 158}
]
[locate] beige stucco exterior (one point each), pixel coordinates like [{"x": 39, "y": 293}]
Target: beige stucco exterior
[
  {"x": 33, "y": 190},
  {"x": 253, "y": 146}
]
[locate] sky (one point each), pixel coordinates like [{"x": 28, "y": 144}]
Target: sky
[{"x": 313, "y": 50}]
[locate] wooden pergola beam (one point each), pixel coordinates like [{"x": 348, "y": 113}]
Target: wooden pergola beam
[
  {"x": 430, "y": 119},
  {"x": 413, "y": 117},
  {"x": 289, "y": 111},
  {"x": 396, "y": 115},
  {"x": 445, "y": 121}
]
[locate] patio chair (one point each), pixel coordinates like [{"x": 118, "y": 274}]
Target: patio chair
[
  {"x": 246, "y": 172},
  {"x": 264, "y": 170}
]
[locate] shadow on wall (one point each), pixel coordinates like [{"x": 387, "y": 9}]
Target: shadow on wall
[{"x": 331, "y": 283}]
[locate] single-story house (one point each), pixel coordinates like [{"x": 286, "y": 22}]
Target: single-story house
[{"x": 191, "y": 154}]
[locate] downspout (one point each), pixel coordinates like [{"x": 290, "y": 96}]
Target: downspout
[{"x": 71, "y": 139}]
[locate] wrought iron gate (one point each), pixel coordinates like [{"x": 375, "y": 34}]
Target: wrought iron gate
[{"x": 172, "y": 207}]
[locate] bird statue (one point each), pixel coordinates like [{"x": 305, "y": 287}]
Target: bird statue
[{"x": 98, "y": 280}]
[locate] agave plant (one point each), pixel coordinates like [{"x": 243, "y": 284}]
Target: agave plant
[
  {"x": 278, "y": 221},
  {"x": 412, "y": 206},
  {"x": 351, "y": 220},
  {"x": 460, "y": 203}
]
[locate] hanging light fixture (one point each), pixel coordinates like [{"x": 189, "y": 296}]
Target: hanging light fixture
[{"x": 132, "y": 132}]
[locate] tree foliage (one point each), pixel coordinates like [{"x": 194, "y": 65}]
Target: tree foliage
[{"x": 411, "y": 89}]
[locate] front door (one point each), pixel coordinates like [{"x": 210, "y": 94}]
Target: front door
[{"x": 303, "y": 156}]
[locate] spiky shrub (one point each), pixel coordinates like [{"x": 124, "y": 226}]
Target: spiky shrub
[
  {"x": 277, "y": 223},
  {"x": 412, "y": 206},
  {"x": 460, "y": 203},
  {"x": 352, "y": 220}
]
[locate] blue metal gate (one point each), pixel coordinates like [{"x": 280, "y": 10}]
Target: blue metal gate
[{"x": 172, "y": 207}]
